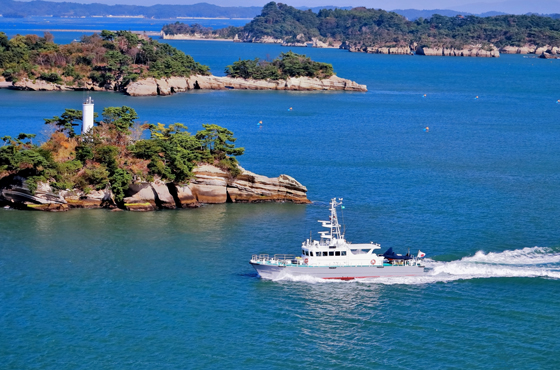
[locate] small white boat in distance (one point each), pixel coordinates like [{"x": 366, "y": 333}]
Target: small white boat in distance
[{"x": 332, "y": 257}]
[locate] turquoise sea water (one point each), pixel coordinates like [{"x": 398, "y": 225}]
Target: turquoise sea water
[{"x": 479, "y": 193}]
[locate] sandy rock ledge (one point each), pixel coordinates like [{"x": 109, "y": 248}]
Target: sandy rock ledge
[
  {"x": 210, "y": 185},
  {"x": 167, "y": 86}
]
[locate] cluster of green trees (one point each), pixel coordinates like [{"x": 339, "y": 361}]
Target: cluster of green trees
[
  {"x": 371, "y": 27},
  {"x": 287, "y": 65},
  {"x": 111, "y": 57},
  {"x": 179, "y": 28},
  {"x": 114, "y": 153}
]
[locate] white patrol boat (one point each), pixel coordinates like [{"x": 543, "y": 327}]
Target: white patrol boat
[{"x": 332, "y": 257}]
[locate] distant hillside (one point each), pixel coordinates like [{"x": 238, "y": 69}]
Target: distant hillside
[
  {"x": 67, "y": 9},
  {"x": 361, "y": 28},
  {"x": 317, "y": 9},
  {"x": 20, "y": 9},
  {"x": 413, "y": 14}
]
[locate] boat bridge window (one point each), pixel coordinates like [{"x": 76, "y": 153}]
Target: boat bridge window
[
  {"x": 311, "y": 254},
  {"x": 337, "y": 253},
  {"x": 325, "y": 254},
  {"x": 331, "y": 253},
  {"x": 343, "y": 253},
  {"x": 360, "y": 251}
]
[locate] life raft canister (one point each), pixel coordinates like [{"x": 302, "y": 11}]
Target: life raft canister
[{"x": 373, "y": 262}]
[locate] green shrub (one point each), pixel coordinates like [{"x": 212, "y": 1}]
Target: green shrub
[
  {"x": 51, "y": 77},
  {"x": 287, "y": 65}
]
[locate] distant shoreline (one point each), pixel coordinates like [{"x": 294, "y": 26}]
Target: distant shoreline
[
  {"x": 127, "y": 17},
  {"x": 149, "y": 33}
]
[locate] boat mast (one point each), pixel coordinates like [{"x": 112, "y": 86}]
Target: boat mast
[{"x": 332, "y": 224}]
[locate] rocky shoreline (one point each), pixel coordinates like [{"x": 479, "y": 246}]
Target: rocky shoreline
[
  {"x": 467, "y": 51},
  {"x": 489, "y": 51},
  {"x": 210, "y": 185},
  {"x": 171, "y": 85}
]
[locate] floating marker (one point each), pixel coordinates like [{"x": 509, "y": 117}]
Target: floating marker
[
  {"x": 476, "y": 97},
  {"x": 424, "y": 96},
  {"x": 427, "y": 129}
]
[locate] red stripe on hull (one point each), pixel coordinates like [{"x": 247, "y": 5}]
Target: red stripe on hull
[
  {"x": 362, "y": 277},
  {"x": 350, "y": 278}
]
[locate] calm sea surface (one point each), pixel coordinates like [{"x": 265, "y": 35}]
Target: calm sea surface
[{"x": 479, "y": 193}]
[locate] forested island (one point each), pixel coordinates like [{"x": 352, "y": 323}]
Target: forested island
[
  {"x": 378, "y": 31},
  {"x": 287, "y": 65},
  {"x": 107, "y": 61},
  {"x": 114, "y": 166},
  {"x": 139, "y": 66}
]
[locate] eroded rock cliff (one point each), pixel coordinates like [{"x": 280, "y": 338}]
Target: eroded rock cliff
[
  {"x": 171, "y": 85},
  {"x": 166, "y": 86},
  {"x": 467, "y": 51},
  {"x": 211, "y": 185},
  {"x": 531, "y": 49}
]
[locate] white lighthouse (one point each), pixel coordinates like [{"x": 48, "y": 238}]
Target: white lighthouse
[{"x": 87, "y": 115}]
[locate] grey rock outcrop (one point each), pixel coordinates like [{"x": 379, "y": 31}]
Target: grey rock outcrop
[
  {"x": 146, "y": 87},
  {"x": 210, "y": 185},
  {"x": 467, "y": 51},
  {"x": 530, "y": 49},
  {"x": 167, "y": 86},
  {"x": 396, "y": 50},
  {"x": 38, "y": 85},
  {"x": 359, "y": 48},
  {"x": 150, "y": 87}
]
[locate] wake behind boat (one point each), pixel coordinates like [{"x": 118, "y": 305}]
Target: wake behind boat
[{"x": 332, "y": 257}]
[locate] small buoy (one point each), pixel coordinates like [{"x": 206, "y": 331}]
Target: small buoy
[
  {"x": 476, "y": 97},
  {"x": 424, "y": 96},
  {"x": 427, "y": 129}
]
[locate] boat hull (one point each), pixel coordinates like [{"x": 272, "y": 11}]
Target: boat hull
[{"x": 274, "y": 272}]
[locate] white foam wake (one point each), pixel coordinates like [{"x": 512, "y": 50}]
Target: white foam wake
[
  {"x": 525, "y": 256},
  {"x": 526, "y": 262}
]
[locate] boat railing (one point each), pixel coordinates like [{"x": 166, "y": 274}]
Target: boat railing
[
  {"x": 260, "y": 257},
  {"x": 277, "y": 259},
  {"x": 284, "y": 257}
]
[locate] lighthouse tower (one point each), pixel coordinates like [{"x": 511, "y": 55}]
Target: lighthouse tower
[{"x": 87, "y": 115}]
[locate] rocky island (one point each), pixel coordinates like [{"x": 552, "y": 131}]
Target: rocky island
[
  {"x": 376, "y": 31},
  {"x": 139, "y": 66},
  {"x": 111, "y": 165}
]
